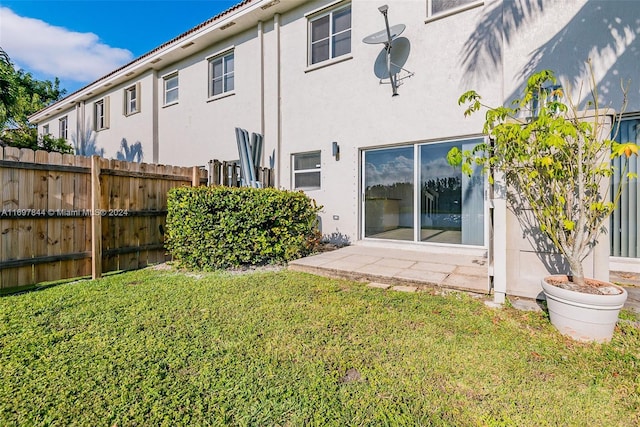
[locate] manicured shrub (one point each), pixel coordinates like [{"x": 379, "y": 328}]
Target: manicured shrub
[{"x": 220, "y": 227}]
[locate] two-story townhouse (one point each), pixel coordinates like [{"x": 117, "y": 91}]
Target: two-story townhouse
[{"x": 298, "y": 72}]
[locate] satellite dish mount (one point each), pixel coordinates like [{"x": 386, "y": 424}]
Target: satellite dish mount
[{"x": 386, "y": 37}]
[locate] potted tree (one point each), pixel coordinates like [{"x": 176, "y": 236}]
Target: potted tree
[{"x": 555, "y": 160}]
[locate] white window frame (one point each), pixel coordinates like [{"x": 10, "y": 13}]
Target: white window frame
[
  {"x": 63, "y": 127},
  {"x": 45, "y": 130},
  {"x": 132, "y": 100},
  {"x": 295, "y": 172},
  {"x": 166, "y": 91},
  {"x": 101, "y": 114},
  {"x": 221, "y": 57},
  {"x": 332, "y": 35},
  {"x": 452, "y": 11}
]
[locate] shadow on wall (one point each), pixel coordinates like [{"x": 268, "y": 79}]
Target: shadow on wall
[
  {"x": 552, "y": 260},
  {"x": 608, "y": 32},
  {"x": 130, "y": 153}
]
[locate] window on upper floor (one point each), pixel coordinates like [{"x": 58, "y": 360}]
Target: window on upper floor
[
  {"x": 221, "y": 74},
  {"x": 447, "y": 7},
  {"x": 45, "y": 130},
  {"x": 306, "y": 170},
  {"x": 132, "y": 99},
  {"x": 330, "y": 34},
  {"x": 101, "y": 114},
  {"x": 63, "y": 125},
  {"x": 171, "y": 91}
]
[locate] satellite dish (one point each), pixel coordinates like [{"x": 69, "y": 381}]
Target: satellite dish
[
  {"x": 400, "y": 49},
  {"x": 381, "y": 36},
  {"x": 385, "y": 60}
]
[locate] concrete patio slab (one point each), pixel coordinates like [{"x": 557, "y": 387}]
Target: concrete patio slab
[
  {"x": 403, "y": 288},
  {"x": 419, "y": 267},
  {"x": 393, "y": 264}
]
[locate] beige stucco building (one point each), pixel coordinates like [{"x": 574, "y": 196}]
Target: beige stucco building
[{"x": 299, "y": 73}]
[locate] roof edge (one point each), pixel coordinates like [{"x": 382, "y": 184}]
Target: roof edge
[{"x": 232, "y": 11}]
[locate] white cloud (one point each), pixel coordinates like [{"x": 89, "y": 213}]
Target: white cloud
[
  {"x": 396, "y": 170},
  {"x": 53, "y": 51}
]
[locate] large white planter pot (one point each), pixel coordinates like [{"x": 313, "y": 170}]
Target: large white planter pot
[{"x": 581, "y": 316}]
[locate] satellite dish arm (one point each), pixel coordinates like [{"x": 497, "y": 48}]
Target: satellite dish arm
[{"x": 387, "y": 47}]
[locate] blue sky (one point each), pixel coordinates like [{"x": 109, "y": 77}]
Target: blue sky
[{"x": 80, "y": 41}]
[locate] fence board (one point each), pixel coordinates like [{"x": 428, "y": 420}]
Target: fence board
[
  {"x": 152, "y": 204},
  {"x": 55, "y": 239},
  {"x": 67, "y": 267},
  {"x": 10, "y": 233},
  {"x": 40, "y": 203},
  {"x": 2, "y": 221},
  {"x": 82, "y": 227},
  {"x": 54, "y": 225},
  {"x": 26, "y": 224}
]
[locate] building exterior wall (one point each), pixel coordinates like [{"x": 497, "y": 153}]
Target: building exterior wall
[
  {"x": 344, "y": 102},
  {"x": 199, "y": 128},
  {"x": 490, "y": 46}
]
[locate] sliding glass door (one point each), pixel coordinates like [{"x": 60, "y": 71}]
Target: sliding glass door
[
  {"x": 388, "y": 193},
  {"x": 411, "y": 193}
]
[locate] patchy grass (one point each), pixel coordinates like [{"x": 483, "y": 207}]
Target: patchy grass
[{"x": 283, "y": 348}]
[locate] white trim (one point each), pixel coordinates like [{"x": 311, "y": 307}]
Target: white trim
[
  {"x": 328, "y": 12},
  {"x": 325, "y": 8},
  {"x": 164, "y": 79},
  {"x": 627, "y": 265},
  {"x": 328, "y": 62},
  {"x": 210, "y": 77},
  {"x": 452, "y": 11},
  {"x": 222, "y": 52},
  {"x": 416, "y": 201},
  {"x": 219, "y": 96},
  {"x": 165, "y": 75},
  {"x": 294, "y": 171}
]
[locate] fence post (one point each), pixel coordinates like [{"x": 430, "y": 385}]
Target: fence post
[
  {"x": 195, "y": 178},
  {"x": 96, "y": 220}
]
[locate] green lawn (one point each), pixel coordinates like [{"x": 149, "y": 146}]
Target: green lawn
[{"x": 161, "y": 347}]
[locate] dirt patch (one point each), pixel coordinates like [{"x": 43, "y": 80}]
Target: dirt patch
[
  {"x": 591, "y": 286},
  {"x": 351, "y": 376}
]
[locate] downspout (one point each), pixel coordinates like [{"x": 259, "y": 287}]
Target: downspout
[
  {"x": 498, "y": 242},
  {"x": 79, "y": 118},
  {"x": 154, "y": 118},
  {"x": 278, "y": 165},
  {"x": 262, "y": 120}
]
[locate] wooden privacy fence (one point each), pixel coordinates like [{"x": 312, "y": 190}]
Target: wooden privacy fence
[
  {"x": 228, "y": 174},
  {"x": 67, "y": 216}
]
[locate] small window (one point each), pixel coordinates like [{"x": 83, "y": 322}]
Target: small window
[
  {"x": 45, "y": 130},
  {"x": 63, "y": 127},
  {"x": 131, "y": 100},
  {"x": 101, "y": 114},
  {"x": 437, "y": 7},
  {"x": 330, "y": 35},
  {"x": 221, "y": 78},
  {"x": 171, "y": 89},
  {"x": 306, "y": 171}
]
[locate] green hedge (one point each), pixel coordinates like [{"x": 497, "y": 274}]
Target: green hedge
[{"x": 220, "y": 227}]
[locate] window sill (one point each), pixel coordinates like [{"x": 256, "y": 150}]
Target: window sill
[
  {"x": 305, "y": 189},
  {"x": 328, "y": 63},
  {"x": 170, "y": 104},
  {"x": 454, "y": 11},
  {"x": 131, "y": 114},
  {"x": 220, "y": 96}
]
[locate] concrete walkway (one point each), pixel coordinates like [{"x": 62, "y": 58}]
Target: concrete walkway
[
  {"x": 389, "y": 265},
  {"x": 408, "y": 268}
]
